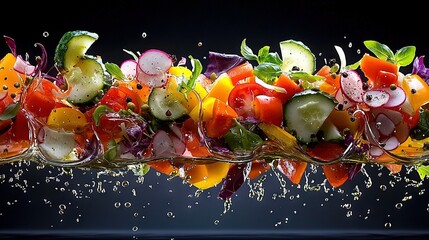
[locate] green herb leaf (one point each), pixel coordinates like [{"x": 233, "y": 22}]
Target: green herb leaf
[
  {"x": 10, "y": 111},
  {"x": 300, "y": 75},
  {"x": 405, "y": 56},
  {"x": 140, "y": 169},
  {"x": 247, "y": 51},
  {"x": 380, "y": 50},
  {"x": 241, "y": 140},
  {"x": 112, "y": 150},
  {"x": 353, "y": 66},
  {"x": 267, "y": 71},
  {"x": 98, "y": 112},
  {"x": 115, "y": 71},
  {"x": 421, "y": 131},
  {"x": 423, "y": 171}
]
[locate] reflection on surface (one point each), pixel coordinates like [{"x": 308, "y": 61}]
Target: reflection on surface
[{"x": 52, "y": 202}]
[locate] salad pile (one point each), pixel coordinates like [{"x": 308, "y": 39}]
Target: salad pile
[{"x": 232, "y": 120}]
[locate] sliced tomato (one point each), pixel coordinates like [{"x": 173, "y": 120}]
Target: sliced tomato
[
  {"x": 268, "y": 109},
  {"x": 326, "y": 151},
  {"x": 42, "y": 99},
  {"x": 118, "y": 98},
  {"x": 337, "y": 173},
  {"x": 292, "y": 169}
]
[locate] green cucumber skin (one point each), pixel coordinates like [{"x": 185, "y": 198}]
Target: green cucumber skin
[
  {"x": 63, "y": 46},
  {"x": 294, "y": 121},
  {"x": 306, "y": 57}
]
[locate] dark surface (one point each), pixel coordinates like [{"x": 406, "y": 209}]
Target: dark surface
[{"x": 31, "y": 199}]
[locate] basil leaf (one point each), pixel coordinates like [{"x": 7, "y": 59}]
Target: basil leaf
[
  {"x": 423, "y": 171},
  {"x": 272, "y": 58},
  {"x": 247, "y": 51},
  {"x": 197, "y": 68},
  {"x": 421, "y": 131},
  {"x": 380, "y": 50},
  {"x": 263, "y": 53},
  {"x": 98, "y": 112},
  {"x": 115, "y": 70},
  {"x": 140, "y": 169},
  {"x": 405, "y": 56},
  {"x": 10, "y": 111},
  {"x": 268, "y": 72},
  {"x": 241, "y": 140}
]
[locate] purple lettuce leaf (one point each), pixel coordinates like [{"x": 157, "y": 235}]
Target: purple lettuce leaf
[
  {"x": 221, "y": 62},
  {"x": 235, "y": 177},
  {"x": 420, "y": 69}
]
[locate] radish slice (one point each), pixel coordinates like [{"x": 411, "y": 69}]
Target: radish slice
[
  {"x": 23, "y": 67},
  {"x": 391, "y": 143},
  {"x": 395, "y": 116},
  {"x": 345, "y": 103},
  {"x": 396, "y": 97},
  {"x": 351, "y": 85},
  {"x": 375, "y": 151},
  {"x": 402, "y": 132},
  {"x": 129, "y": 68},
  {"x": 151, "y": 80},
  {"x": 384, "y": 125},
  {"x": 376, "y": 98},
  {"x": 165, "y": 145},
  {"x": 154, "y": 62}
]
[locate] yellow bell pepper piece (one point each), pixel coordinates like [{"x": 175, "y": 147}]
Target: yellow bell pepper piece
[
  {"x": 417, "y": 91},
  {"x": 67, "y": 118},
  {"x": 221, "y": 88},
  {"x": 204, "y": 176},
  {"x": 207, "y": 111}
]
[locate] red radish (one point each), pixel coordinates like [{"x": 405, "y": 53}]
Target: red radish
[
  {"x": 165, "y": 145},
  {"x": 391, "y": 143},
  {"x": 397, "y": 97},
  {"x": 129, "y": 68},
  {"x": 24, "y": 67},
  {"x": 151, "y": 80},
  {"x": 345, "y": 103},
  {"x": 154, "y": 62},
  {"x": 395, "y": 116},
  {"x": 352, "y": 85},
  {"x": 384, "y": 125},
  {"x": 376, "y": 98},
  {"x": 375, "y": 151}
]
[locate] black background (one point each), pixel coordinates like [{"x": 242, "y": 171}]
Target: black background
[{"x": 31, "y": 199}]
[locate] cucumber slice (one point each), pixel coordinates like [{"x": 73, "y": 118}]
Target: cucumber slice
[
  {"x": 306, "y": 112},
  {"x": 86, "y": 79},
  {"x": 330, "y": 132},
  {"x": 72, "y": 47},
  {"x": 165, "y": 104},
  {"x": 296, "y": 54}
]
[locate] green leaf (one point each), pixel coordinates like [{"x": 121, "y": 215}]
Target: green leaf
[
  {"x": 405, "y": 56},
  {"x": 301, "y": 75},
  {"x": 271, "y": 58},
  {"x": 267, "y": 71},
  {"x": 423, "y": 171},
  {"x": 115, "y": 71},
  {"x": 112, "y": 150},
  {"x": 421, "y": 131},
  {"x": 353, "y": 66},
  {"x": 10, "y": 111},
  {"x": 140, "y": 169},
  {"x": 380, "y": 50},
  {"x": 197, "y": 68},
  {"x": 241, "y": 140},
  {"x": 247, "y": 51},
  {"x": 98, "y": 112}
]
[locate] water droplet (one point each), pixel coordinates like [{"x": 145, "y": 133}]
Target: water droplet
[
  {"x": 216, "y": 222},
  {"x": 117, "y": 204},
  {"x": 358, "y": 51},
  {"x": 125, "y": 183},
  {"x": 388, "y": 225},
  {"x": 200, "y": 44},
  {"x": 135, "y": 228},
  {"x": 45, "y": 34},
  {"x": 144, "y": 34},
  {"x": 170, "y": 214},
  {"x": 398, "y": 206},
  {"x": 383, "y": 187},
  {"x": 350, "y": 45},
  {"x": 349, "y": 213},
  {"x": 62, "y": 207},
  {"x": 127, "y": 204}
]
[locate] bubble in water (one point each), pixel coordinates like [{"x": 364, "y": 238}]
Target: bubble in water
[
  {"x": 127, "y": 204},
  {"x": 216, "y": 222},
  {"x": 358, "y": 51},
  {"x": 170, "y": 214},
  {"x": 135, "y": 228},
  {"x": 350, "y": 45},
  {"x": 388, "y": 225},
  {"x": 349, "y": 214},
  {"x": 398, "y": 206},
  {"x": 125, "y": 183},
  {"x": 200, "y": 44},
  {"x": 117, "y": 204},
  {"x": 144, "y": 34},
  {"x": 45, "y": 34},
  {"x": 383, "y": 187}
]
